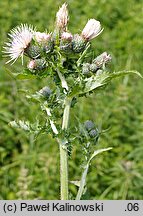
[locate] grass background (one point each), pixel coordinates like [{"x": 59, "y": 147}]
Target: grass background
[{"x": 30, "y": 169}]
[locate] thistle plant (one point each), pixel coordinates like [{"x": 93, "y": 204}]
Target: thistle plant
[{"x": 66, "y": 59}]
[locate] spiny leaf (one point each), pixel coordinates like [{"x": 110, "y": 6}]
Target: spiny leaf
[
  {"x": 23, "y": 75},
  {"x": 122, "y": 73},
  {"x": 76, "y": 183},
  {"x": 99, "y": 80},
  {"x": 34, "y": 128},
  {"x": 98, "y": 152},
  {"x": 85, "y": 171},
  {"x": 25, "y": 125}
]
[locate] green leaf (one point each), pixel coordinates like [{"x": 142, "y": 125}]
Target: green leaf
[
  {"x": 25, "y": 125},
  {"x": 34, "y": 128},
  {"x": 98, "y": 152},
  {"x": 99, "y": 80},
  {"x": 85, "y": 171},
  {"x": 23, "y": 76},
  {"x": 76, "y": 183},
  {"x": 26, "y": 74}
]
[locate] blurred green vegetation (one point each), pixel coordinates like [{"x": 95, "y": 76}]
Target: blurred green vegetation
[{"x": 30, "y": 169}]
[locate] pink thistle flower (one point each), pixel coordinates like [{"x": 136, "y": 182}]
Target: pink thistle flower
[
  {"x": 66, "y": 36},
  {"x": 91, "y": 30},
  {"x": 62, "y": 17},
  {"x": 41, "y": 37},
  {"x": 31, "y": 65},
  {"x": 19, "y": 39}
]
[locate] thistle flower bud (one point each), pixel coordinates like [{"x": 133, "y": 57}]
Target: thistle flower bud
[
  {"x": 78, "y": 43},
  {"x": 45, "y": 91},
  {"x": 66, "y": 36},
  {"x": 86, "y": 69},
  {"x": 48, "y": 47},
  {"x": 91, "y": 30},
  {"x": 62, "y": 17},
  {"x": 65, "y": 43},
  {"x": 66, "y": 47},
  {"x": 37, "y": 64},
  {"x": 31, "y": 65},
  {"x": 93, "y": 68},
  {"x": 42, "y": 37},
  {"x": 89, "y": 125},
  {"x": 102, "y": 59},
  {"x": 93, "y": 133},
  {"x": 99, "y": 72},
  {"x": 33, "y": 51}
]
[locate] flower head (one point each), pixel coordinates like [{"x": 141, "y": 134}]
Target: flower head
[
  {"x": 91, "y": 30},
  {"x": 33, "y": 51},
  {"x": 86, "y": 71},
  {"x": 45, "y": 91},
  {"x": 37, "y": 64},
  {"x": 62, "y": 17},
  {"x": 93, "y": 133},
  {"x": 89, "y": 125},
  {"x": 66, "y": 36},
  {"x": 41, "y": 37},
  {"x": 102, "y": 59},
  {"x": 31, "y": 65},
  {"x": 78, "y": 43},
  {"x": 19, "y": 39}
]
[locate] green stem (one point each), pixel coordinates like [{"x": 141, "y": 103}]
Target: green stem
[
  {"x": 82, "y": 182},
  {"x": 64, "y": 153}
]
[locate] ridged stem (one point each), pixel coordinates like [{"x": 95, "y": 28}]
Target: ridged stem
[{"x": 64, "y": 153}]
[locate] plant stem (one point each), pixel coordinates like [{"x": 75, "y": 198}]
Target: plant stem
[
  {"x": 64, "y": 153},
  {"x": 82, "y": 182}
]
